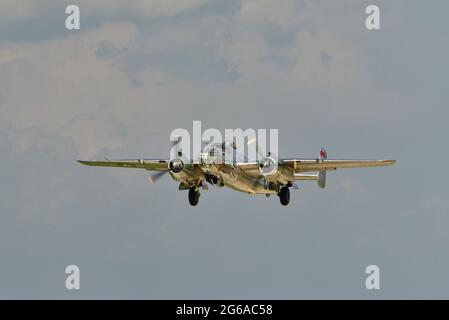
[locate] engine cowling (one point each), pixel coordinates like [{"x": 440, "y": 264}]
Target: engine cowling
[
  {"x": 176, "y": 165},
  {"x": 268, "y": 166}
]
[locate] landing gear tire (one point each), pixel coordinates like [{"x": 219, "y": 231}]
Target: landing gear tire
[
  {"x": 194, "y": 197},
  {"x": 284, "y": 195}
]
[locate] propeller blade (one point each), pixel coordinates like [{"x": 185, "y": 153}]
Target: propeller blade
[
  {"x": 260, "y": 153},
  {"x": 176, "y": 142},
  {"x": 154, "y": 177}
]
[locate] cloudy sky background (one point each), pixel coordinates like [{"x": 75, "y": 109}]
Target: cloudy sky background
[{"x": 138, "y": 69}]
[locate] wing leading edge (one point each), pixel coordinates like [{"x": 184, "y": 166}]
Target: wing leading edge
[
  {"x": 310, "y": 165},
  {"x": 147, "y": 164},
  {"x": 298, "y": 165}
]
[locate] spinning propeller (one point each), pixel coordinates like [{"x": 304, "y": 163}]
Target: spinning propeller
[
  {"x": 176, "y": 165},
  {"x": 267, "y": 162}
]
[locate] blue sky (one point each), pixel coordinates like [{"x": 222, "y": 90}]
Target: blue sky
[{"x": 139, "y": 69}]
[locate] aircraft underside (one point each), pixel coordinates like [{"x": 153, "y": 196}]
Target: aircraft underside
[
  {"x": 233, "y": 178},
  {"x": 268, "y": 175}
]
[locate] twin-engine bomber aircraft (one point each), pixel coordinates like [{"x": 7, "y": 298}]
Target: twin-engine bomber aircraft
[{"x": 269, "y": 175}]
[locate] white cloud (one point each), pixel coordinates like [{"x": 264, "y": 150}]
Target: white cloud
[
  {"x": 11, "y": 9},
  {"x": 53, "y": 84},
  {"x": 152, "y": 8},
  {"x": 50, "y": 84},
  {"x": 315, "y": 57},
  {"x": 17, "y": 10}
]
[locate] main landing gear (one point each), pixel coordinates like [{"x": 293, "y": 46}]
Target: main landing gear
[
  {"x": 194, "y": 196},
  {"x": 284, "y": 195}
]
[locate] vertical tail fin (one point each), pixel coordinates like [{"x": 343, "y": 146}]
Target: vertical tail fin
[
  {"x": 321, "y": 181},
  {"x": 323, "y": 154}
]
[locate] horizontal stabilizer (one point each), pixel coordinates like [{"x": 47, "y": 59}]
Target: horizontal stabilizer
[{"x": 303, "y": 176}]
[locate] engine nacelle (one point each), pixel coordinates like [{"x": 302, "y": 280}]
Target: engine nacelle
[
  {"x": 176, "y": 165},
  {"x": 268, "y": 166}
]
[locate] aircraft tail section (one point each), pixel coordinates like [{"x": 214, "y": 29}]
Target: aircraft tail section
[{"x": 321, "y": 181}]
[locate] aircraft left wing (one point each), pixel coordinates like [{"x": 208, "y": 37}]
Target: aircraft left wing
[
  {"x": 148, "y": 164},
  {"x": 310, "y": 165}
]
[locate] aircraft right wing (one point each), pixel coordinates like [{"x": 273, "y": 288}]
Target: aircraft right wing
[{"x": 310, "y": 165}]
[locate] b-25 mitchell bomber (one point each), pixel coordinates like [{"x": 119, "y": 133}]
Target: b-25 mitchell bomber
[{"x": 269, "y": 175}]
